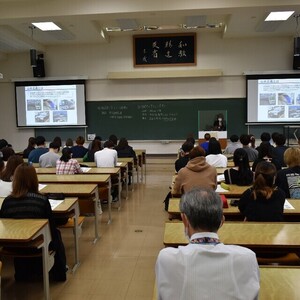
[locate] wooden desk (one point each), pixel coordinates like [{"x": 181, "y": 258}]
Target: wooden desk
[
  {"x": 141, "y": 156},
  {"x": 69, "y": 208},
  {"x": 21, "y": 232},
  {"x": 276, "y": 283},
  {"x": 80, "y": 191},
  {"x": 102, "y": 180},
  {"x": 232, "y": 213},
  {"x": 130, "y": 162},
  {"x": 259, "y": 237}
]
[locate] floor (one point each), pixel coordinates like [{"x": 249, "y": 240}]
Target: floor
[{"x": 121, "y": 264}]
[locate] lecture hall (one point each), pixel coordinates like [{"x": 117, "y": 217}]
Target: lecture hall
[{"x": 157, "y": 75}]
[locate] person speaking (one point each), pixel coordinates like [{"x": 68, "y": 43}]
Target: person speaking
[{"x": 219, "y": 123}]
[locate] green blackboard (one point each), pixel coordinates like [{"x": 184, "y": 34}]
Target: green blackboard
[{"x": 160, "y": 119}]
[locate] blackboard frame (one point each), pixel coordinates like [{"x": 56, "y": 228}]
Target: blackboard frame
[{"x": 185, "y": 42}]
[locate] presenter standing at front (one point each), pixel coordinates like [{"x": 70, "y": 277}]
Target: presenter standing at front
[{"x": 219, "y": 123}]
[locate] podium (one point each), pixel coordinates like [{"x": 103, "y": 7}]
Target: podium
[{"x": 221, "y": 136}]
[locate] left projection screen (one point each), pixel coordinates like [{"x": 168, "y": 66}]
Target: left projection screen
[{"x": 50, "y": 103}]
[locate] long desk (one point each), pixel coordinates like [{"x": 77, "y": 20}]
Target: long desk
[
  {"x": 80, "y": 191},
  {"x": 259, "y": 237},
  {"x": 114, "y": 172},
  {"x": 141, "y": 157},
  {"x": 102, "y": 180},
  {"x": 232, "y": 212},
  {"x": 276, "y": 283},
  {"x": 21, "y": 233}
]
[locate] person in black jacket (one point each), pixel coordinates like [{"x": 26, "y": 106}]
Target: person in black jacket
[
  {"x": 184, "y": 156},
  {"x": 25, "y": 202}
]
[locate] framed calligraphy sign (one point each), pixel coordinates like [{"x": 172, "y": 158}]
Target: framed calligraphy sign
[{"x": 164, "y": 50}]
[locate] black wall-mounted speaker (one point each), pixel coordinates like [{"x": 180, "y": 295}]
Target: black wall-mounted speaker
[
  {"x": 33, "y": 57},
  {"x": 39, "y": 69},
  {"x": 296, "y": 60}
]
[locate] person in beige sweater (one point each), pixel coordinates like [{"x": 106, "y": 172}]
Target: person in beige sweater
[{"x": 197, "y": 173}]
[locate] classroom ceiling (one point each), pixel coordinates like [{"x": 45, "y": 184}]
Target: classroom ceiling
[{"x": 86, "y": 22}]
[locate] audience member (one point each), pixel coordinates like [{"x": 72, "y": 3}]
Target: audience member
[
  {"x": 2, "y": 165},
  {"x": 30, "y": 147},
  {"x": 265, "y": 154},
  {"x": 35, "y": 154},
  {"x": 66, "y": 164},
  {"x": 184, "y": 156},
  {"x": 69, "y": 143},
  {"x": 273, "y": 138},
  {"x": 107, "y": 157},
  {"x": 50, "y": 158},
  {"x": 3, "y": 144},
  {"x": 197, "y": 173},
  {"x": 79, "y": 150},
  {"x": 252, "y": 141},
  {"x": 205, "y": 268},
  {"x": 265, "y": 137},
  {"x": 25, "y": 202},
  {"x": 124, "y": 150},
  {"x": 251, "y": 152},
  {"x": 240, "y": 174},
  {"x": 90, "y": 155},
  {"x": 289, "y": 179},
  {"x": 214, "y": 156},
  {"x": 234, "y": 144},
  {"x": 97, "y": 138},
  {"x": 204, "y": 145},
  {"x": 264, "y": 201},
  {"x": 57, "y": 140},
  {"x": 280, "y": 148},
  {"x": 7, "y": 174},
  {"x": 114, "y": 139},
  {"x": 7, "y": 152}
]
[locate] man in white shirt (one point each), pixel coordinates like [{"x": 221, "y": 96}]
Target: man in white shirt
[
  {"x": 205, "y": 268},
  {"x": 49, "y": 159},
  {"x": 107, "y": 157}
]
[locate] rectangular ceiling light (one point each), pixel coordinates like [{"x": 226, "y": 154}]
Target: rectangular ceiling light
[
  {"x": 46, "y": 26},
  {"x": 279, "y": 15}
]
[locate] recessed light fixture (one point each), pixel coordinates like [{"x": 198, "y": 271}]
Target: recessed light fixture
[
  {"x": 46, "y": 26},
  {"x": 279, "y": 15}
]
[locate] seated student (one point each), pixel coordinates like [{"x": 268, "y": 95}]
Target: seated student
[
  {"x": 265, "y": 137},
  {"x": 25, "y": 202},
  {"x": 265, "y": 154},
  {"x": 234, "y": 144},
  {"x": 214, "y": 155},
  {"x": 66, "y": 164},
  {"x": 40, "y": 149},
  {"x": 252, "y": 153},
  {"x": 97, "y": 138},
  {"x": 205, "y": 268},
  {"x": 107, "y": 157},
  {"x": 58, "y": 141},
  {"x": 79, "y": 150},
  {"x": 264, "y": 201},
  {"x": 7, "y": 152},
  {"x": 7, "y": 174},
  {"x": 90, "y": 155},
  {"x": 184, "y": 156},
  {"x": 50, "y": 158},
  {"x": 113, "y": 138},
  {"x": 289, "y": 179},
  {"x": 69, "y": 143},
  {"x": 204, "y": 145},
  {"x": 30, "y": 147},
  {"x": 197, "y": 173},
  {"x": 240, "y": 174},
  {"x": 252, "y": 141},
  {"x": 2, "y": 165},
  {"x": 124, "y": 150},
  {"x": 278, "y": 151}
]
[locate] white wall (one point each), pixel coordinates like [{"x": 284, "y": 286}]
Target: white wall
[{"x": 233, "y": 56}]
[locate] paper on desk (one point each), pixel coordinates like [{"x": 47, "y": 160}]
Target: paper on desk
[
  {"x": 41, "y": 186},
  {"x": 55, "y": 203},
  {"x": 288, "y": 205},
  {"x": 85, "y": 169},
  {"x": 220, "y": 177},
  {"x": 119, "y": 164},
  {"x": 220, "y": 189}
]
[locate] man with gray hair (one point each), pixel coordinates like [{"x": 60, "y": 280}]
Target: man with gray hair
[{"x": 205, "y": 268}]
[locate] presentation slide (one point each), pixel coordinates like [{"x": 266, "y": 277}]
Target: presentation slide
[
  {"x": 50, "y": 105},
  {"x": 274, "y": 100}
]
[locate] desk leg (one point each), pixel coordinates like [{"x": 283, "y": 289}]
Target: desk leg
[
  {"x": 97, "y": 211},
  {"x": 120, "y": 190},
  {"x": 76, "y": 238},
  {"x": 45, "y": 252},
  {"x": 109, "y": 202}
]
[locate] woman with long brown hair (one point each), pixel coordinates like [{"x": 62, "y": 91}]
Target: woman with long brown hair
[{"x": 25, "y": 202}]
